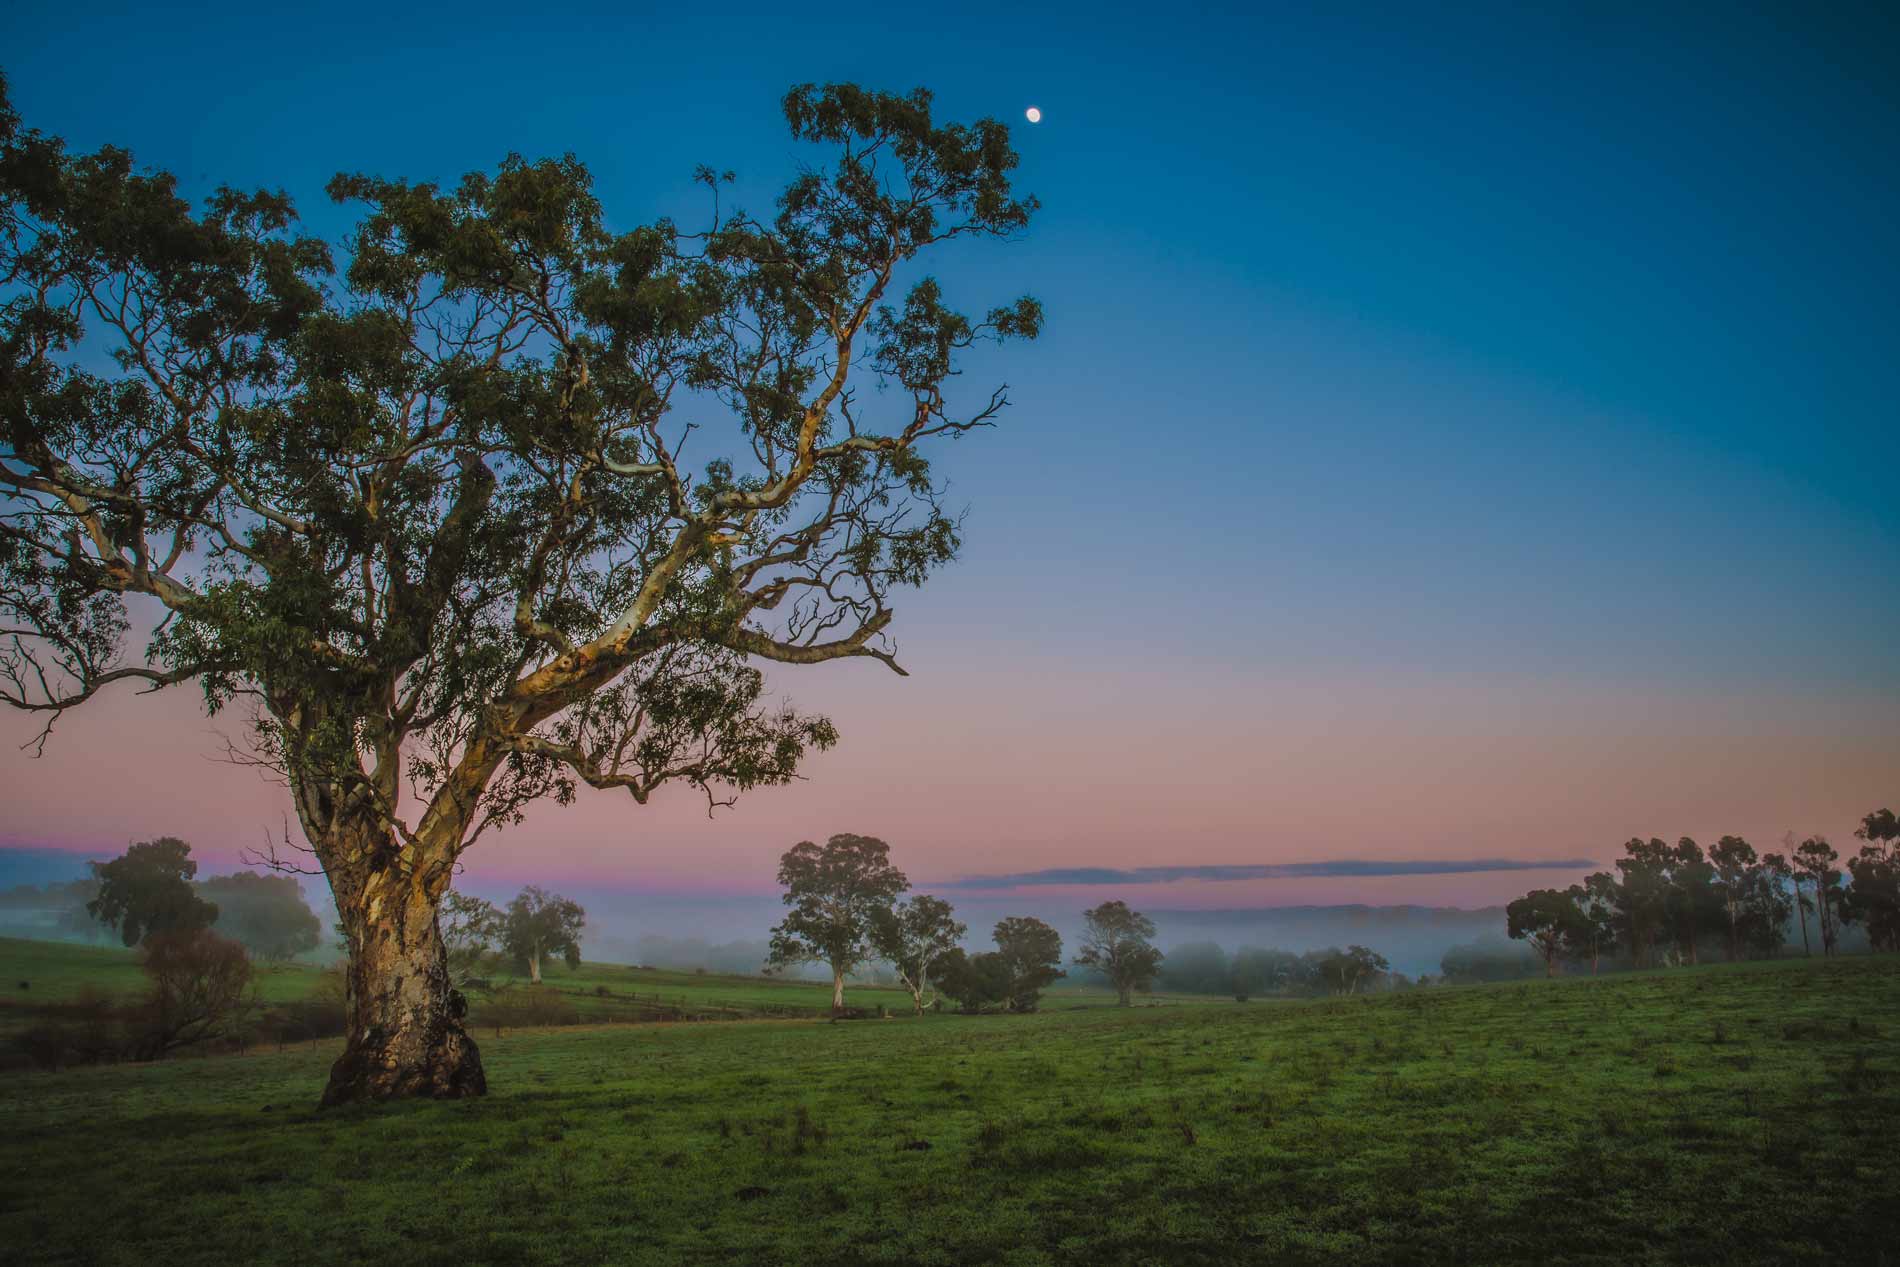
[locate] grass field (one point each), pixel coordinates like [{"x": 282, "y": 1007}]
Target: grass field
[
  {"x": 56, "y": 972},
  {"x": 1743, "y": 1114}
]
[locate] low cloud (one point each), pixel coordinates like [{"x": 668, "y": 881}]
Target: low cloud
[{"x": 1355, "y": 868}]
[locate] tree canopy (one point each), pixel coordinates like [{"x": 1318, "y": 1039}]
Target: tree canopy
[
  {"x": 489, "y": 499},
  {"x": 1030, "y": 951},
  {"x": 1548, "y": 919},
  {"x": 912, "y": 937},
  {"x": 266, "y": 914},
  {"x": 836, "y": 891},
  {"x": 540, "y": 925},
  {"x": 146, "y": 892},
  {"x": 1115, "y": 940},
  {"x": 472, "y": 930}
]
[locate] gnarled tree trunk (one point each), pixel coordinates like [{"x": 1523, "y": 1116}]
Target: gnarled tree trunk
[{"x": 405, "y": 1034}]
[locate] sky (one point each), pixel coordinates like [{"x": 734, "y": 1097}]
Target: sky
[{"x": 1456, "y": 436}]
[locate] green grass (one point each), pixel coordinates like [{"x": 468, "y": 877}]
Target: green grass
[
  {"x": 58, "y": 971},
  {"x": 1742, "y": 1114}
]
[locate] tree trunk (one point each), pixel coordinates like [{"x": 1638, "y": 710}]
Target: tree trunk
[
  {"x": 1801, "y": 910},
  {"x": 405, "y": 1034},
  {"x": 1124, "y": 993},
  {"x": 534, "y": 966},
  {"x": 837, "y": 992}
]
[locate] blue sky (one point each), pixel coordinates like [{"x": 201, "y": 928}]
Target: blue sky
[{"x": 1550, "y": 347}]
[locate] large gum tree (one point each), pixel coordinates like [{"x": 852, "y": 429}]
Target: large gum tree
[{"x": 488, "y": 501}]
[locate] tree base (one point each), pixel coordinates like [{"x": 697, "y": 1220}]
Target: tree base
[{"x": 372, "y": 1071}]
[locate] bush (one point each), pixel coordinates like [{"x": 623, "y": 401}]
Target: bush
[
  {"x": 530, "y": 1007},
  {"x": 976, "y": 982},
  {"x": 201, "y": 989}
]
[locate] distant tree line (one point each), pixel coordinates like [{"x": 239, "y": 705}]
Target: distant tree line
[
  {"x": 1206, "y": 968},
  {"x": 847, "y": 912},
  {"x": 1669, "y": 904}
]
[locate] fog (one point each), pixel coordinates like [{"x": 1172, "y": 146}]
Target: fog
[
  {"x": 729, "y": 933},
  {"x": 724, "y": 934}
]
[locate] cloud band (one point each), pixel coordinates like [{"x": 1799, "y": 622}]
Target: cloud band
[{"x": 1343, "y": 867}]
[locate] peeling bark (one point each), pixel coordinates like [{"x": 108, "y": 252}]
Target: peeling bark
[{"x": 405, "y": 1036}]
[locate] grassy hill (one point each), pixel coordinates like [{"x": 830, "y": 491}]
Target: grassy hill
[{"x": 1724, "y": 1113}]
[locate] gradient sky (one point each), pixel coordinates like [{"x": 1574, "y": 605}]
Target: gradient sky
[{"x": 1455, "y": 436}]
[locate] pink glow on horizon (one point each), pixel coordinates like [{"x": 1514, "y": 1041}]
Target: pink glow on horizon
[{"x": 972, "y": 770}]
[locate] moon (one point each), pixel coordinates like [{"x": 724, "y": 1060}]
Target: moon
[{"x": 1033, "y": 115}]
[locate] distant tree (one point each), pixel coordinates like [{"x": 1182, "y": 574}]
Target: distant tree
[
  {"x": 1767, "y": 906},
  {"x": 1031, "y": 951},
  {"x": 200, "y": 988},
  {"x": 912, "y": 936},
  {"x": 540, "y": 923},
  {"x": 1115, "y": 941},
  {"x": 1734, "y": 861},
  {"x": 1256, "y": 970},
  {"x": 1200, "y": 967},
  {"x": 1693, "y": 902},
  {"x": 1790, "y": 869},
  {"x": 267, "y": 913},
  {"x": 1547, "y": 919},
  {"x": 1814, "y": 859},
  {"x": 1345, "y": 971},
  {"x": 1874, "y": 897},
  {"x": 835, "y": 891},
  {"x": 1489, "y": 958},
  {"x": 1643, "y": 895},
  {"x": 976, "y": 982},
  {"x": 473, "y": 930},
  {"x": 147, "y": 891},
  {"x": 1593, "y": 933}
]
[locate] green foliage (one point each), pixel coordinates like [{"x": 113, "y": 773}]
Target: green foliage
[
  {"x": 1874, "y": 897},
  {"x": 837, "y": 891},
  {"x": 472, "y": 930},
  {"x": 540, "y": 925},
  {"x": 147, "y": 892},
  {"x": 1523, "y": 1122},
  {"x": 1115, "y": 942},
  {"x": 1030, "y": 951},
  {"x": 1350, "y": 970},
  {"x": 1547, "y": 918},
  {"x": 977, "y": 982},
  {"x": 1814, "y": 860},
  {"x": 913, "y": 936},
  {"x": 426, "y": 499}
]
